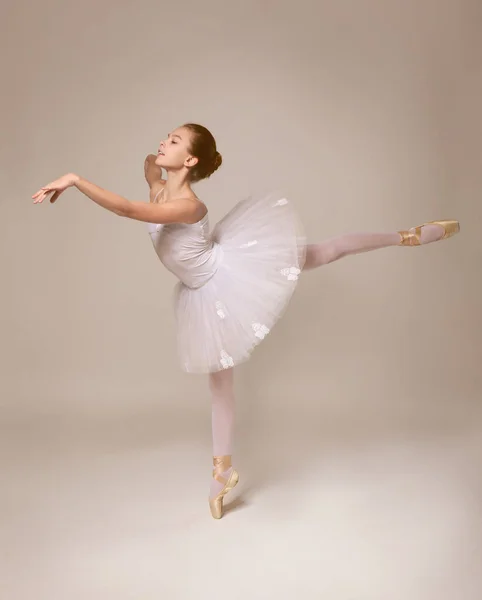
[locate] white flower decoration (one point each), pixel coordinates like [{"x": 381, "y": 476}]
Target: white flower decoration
[
  {"x": 281, "y": 202},
  {"x": 260, "y": 330},
  {"x": 226, "y": 360},
  {"x": 220, "y": 310},
  {"x": 291, "y": 273},
  {"x": 248, "y": 244}
]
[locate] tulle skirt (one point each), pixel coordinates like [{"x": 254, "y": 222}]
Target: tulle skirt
[{"x": 262, "y": 252}]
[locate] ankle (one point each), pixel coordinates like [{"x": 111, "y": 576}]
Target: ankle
[{"x": 222, "y": 463}]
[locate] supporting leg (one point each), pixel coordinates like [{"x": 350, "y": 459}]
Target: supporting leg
[{"x": 225, "y": 477}]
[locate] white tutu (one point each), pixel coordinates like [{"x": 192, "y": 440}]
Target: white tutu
[{"x": 250, "y": 269}]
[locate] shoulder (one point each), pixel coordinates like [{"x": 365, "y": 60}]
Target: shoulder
[
  {"x": 195, "y": 209},
  {"x": 186, "y": 210}
]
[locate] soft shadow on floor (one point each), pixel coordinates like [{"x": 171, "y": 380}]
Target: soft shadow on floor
[{"x": 127, "y": 494}]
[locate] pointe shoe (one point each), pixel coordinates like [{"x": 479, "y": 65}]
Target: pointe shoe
[
  {"x": 221, "y": 464},
  {"x": 412, "y": 238}
]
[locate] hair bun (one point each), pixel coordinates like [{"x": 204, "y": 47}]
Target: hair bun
[
  {"x": 218, "y": 159},
  {"x": 203, "y": 147}
]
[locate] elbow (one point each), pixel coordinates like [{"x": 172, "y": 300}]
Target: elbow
[{"x": 124, "y": 210}]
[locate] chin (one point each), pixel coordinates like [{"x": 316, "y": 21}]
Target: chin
[{"x": 158, "y": 161}]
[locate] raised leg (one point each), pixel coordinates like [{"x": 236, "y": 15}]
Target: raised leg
[{"x": 356, "y": 243}]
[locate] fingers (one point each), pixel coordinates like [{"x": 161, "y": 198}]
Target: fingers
[
  {"x": 41, "y": 191},
  {"x": 38, "y": 193},
  {"x": 42, "y": 194},
  {"x": 53, "y": 189},
  {"x": 38, "y": 197}
]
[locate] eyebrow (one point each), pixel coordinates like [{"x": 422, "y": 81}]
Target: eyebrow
[{"x": 174, "y": 135}]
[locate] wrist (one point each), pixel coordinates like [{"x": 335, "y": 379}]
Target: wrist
[{"x": 74, "y": 178}]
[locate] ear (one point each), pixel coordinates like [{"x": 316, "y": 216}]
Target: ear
[{"x": 191, "y": 161}]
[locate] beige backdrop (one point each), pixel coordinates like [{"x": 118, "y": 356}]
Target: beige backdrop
[{"x": 358, "y": 418}]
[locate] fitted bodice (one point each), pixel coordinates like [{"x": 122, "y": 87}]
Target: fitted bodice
[{"x": 187, "y": 250}]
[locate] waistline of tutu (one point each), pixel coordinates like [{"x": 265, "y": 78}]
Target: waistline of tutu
[{"x": 196, "y": 285}]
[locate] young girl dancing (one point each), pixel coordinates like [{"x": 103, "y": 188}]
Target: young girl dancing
[{"x": 234, "y": 281}]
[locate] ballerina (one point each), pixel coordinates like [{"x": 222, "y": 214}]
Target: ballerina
[{"x": 234, "y": 281}]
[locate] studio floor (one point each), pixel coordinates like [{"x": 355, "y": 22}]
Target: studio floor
[{"x": 101, "y": 507}]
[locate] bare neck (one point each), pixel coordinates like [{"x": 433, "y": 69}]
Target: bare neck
[{"x": 176, "y": 187}]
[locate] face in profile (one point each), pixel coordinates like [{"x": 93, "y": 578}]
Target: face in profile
[{"x": 173, "y": 152}]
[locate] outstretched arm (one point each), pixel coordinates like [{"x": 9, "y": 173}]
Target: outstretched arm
[{"x": 184, "y": 210}]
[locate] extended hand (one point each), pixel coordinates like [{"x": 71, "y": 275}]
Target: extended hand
[{"x": 57, "y": 187}]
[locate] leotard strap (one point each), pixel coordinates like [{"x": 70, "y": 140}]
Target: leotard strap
[{"x": 159, "y": 192}]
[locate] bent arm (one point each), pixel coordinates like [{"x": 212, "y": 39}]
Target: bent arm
[
  {"x": 152, "y": 172},
  {"x": 184, "y": 210},
  {"x": 153, "y": 175}
]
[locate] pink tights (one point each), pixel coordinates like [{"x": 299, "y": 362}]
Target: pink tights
[{"x": 221, "y": 383}]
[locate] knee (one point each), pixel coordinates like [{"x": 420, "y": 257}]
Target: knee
[
  {"x": 318, "y": 255},
  {"x": 221, "y": 382}
]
